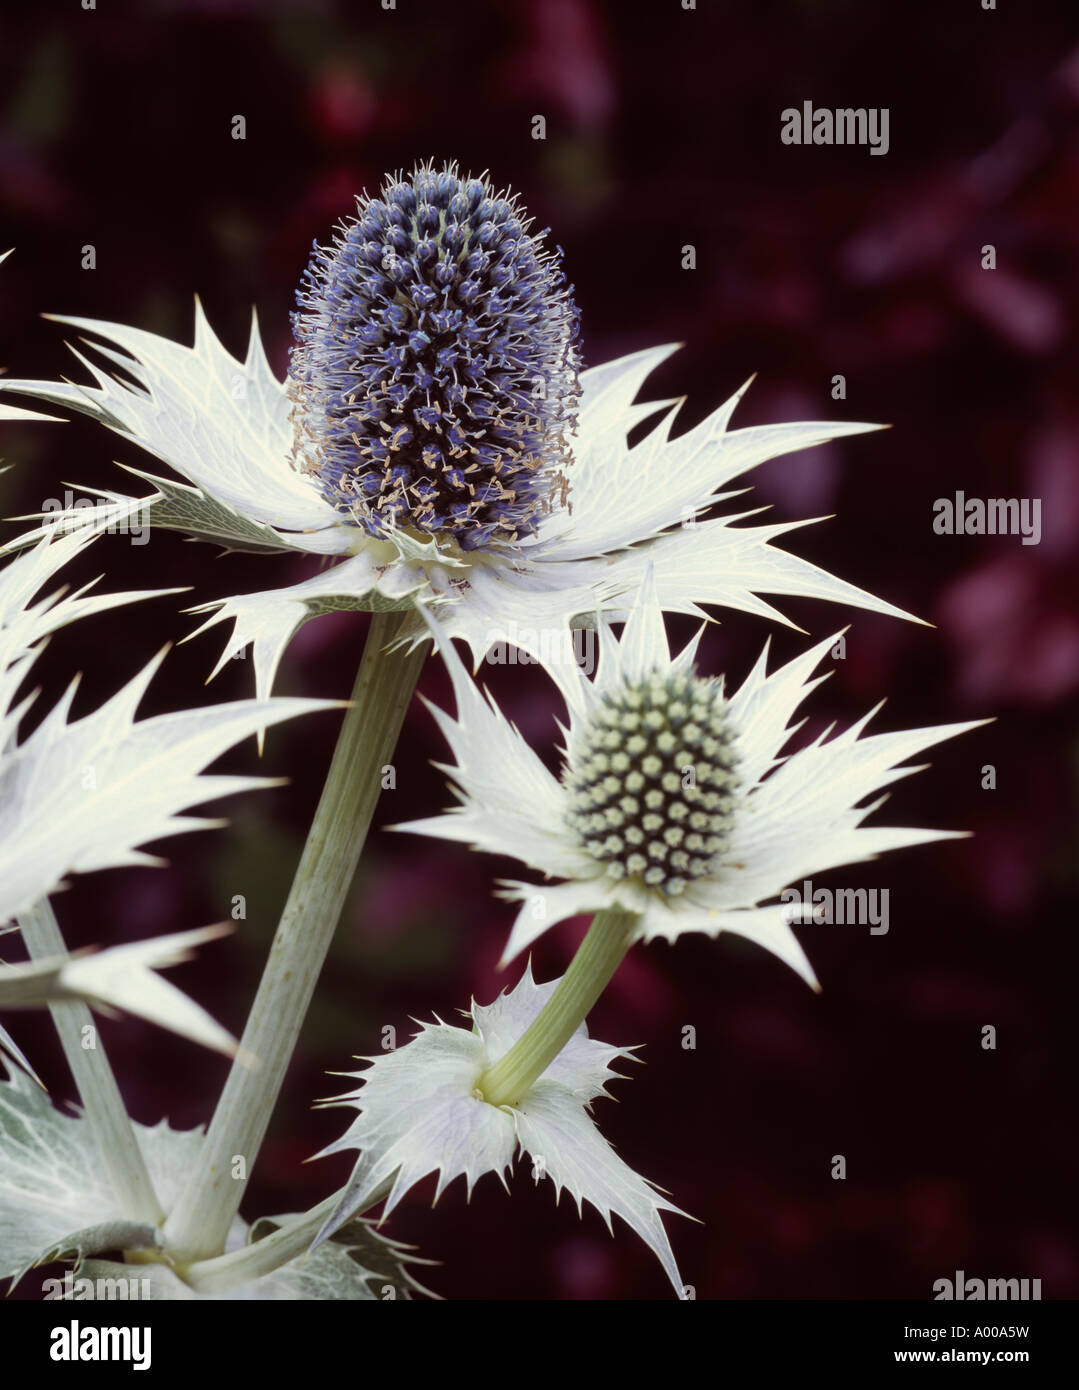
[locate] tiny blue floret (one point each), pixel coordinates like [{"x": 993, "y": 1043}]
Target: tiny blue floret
[{"x": 434, "y": 376}]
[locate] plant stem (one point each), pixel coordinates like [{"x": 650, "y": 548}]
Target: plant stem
[
  {"x": 598, "y": 957},
  {"x": 264, "y": 1256},
  {"x": 199, "y": 1224},
  {"x": 109, "y": 1123},
  {"x": 36, "y": 982}
]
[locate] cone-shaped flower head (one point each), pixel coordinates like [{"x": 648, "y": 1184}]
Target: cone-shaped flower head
[
  {"x": 435, "y": 436},
  {"x": 654, "y": 782},
  {"x": 674, "y": 802},
  {"x": 434, "y": 379}
]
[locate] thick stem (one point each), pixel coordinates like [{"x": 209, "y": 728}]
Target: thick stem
[
  {"x": 109, "y": 1123},
  {"x": 197, "y": 1227},
  {"x": 265, "y": 1256},
  {"x": 609, "y": 938},
  {"x": 36, "y": 982}
]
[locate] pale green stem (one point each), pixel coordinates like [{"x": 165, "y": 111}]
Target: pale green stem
[
  {"x": 198, "y": 1225},
  {"x": 264, "y": 1256},
  {"x": 37, "y": 982},
  {"x": 109, "y": 1123},
  {"x": 609, "y": 938}
]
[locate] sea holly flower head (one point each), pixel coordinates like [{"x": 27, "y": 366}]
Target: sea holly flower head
[
  {"x": 422, "y": 1111},
  {"x": 675, "y": 802},
  {"x": 653, "y": 780},
  {"x": 434, "y": 435},
  {"x": 434, "y": 380}
]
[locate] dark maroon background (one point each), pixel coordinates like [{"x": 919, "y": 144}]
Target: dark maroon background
[{"x": 662, "y": 129}]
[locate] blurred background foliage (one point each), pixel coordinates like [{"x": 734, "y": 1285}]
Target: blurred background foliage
[{"x": 662, "y": 130}]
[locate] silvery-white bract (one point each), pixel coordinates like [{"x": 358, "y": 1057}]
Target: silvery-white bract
[
  {"x": 420, "y": 1112},
  {"x": 80, "y": 795},
  {"x": 56, "y": 1204},
  {"x": 119, "y": 978},
  {"x": 686, "y": 852},
  {"x": 225, "y": 426},
  {"x": 12, "y": 412}
]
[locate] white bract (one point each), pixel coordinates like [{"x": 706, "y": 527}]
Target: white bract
[
  {"x": 675, "y": 802},
  {"x": 121, "y": 978},
  {"x": 79, "y": 795},
  {"x": 224, "y": 426},
  {"x": 421, "y": 1112},
  {"x": 11, "y": 412},
  {"x": 56, "y": 1203},
  {"x": 24, "y": 622}
]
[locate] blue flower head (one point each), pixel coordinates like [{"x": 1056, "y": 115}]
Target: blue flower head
[{"x": 434, "y": 376}]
